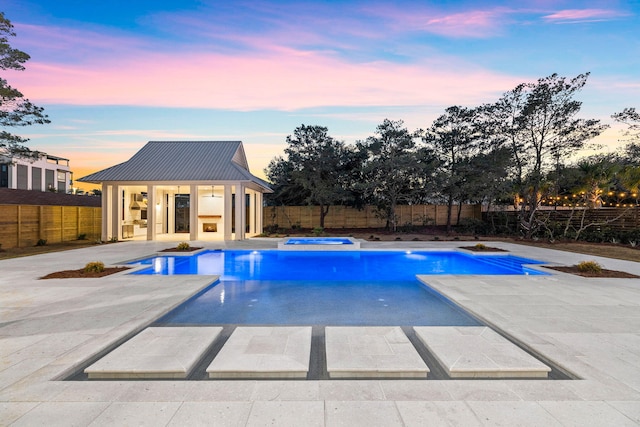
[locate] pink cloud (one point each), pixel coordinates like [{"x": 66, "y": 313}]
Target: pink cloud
[
  {"x": 476, "y": 23},
  {"x": 581, "y": 15},
  {"x": 284, "y": 80},
  {"x": 471, "y": 23},
  {"x": 72, "y": 41}
]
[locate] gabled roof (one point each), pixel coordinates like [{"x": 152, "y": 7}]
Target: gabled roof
[{"x": 182, "y": 161}]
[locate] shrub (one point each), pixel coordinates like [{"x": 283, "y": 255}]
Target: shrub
[
  {"x": 473, "y": 226},
  {"x": 41, "y": 242},
  {"x": 589, "y": 267},
  {"x": 480, "y": 246},
  {"x": 113, "y": 240},
  {"x": 183, "y": 246},
  {"x": 318, "y": 231},
  {"x": 94, "y": 267},
  {"x": 271, "y": 229},
  {"x": 82, "y": 236}
]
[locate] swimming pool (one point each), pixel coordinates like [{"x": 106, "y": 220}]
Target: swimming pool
[
  {"x": 344, "y": 265},
  {"x": 355, "y": 288}
]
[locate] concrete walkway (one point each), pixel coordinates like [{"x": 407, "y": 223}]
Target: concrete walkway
[{"x": 49, "y": 328}]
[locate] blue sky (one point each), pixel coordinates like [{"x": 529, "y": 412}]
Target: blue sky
[{"x": 113, "y": 75}]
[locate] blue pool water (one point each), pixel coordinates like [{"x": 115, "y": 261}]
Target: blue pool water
[
  {"x": 376, "y": 288},
  {"x": 346, "y": 265}
]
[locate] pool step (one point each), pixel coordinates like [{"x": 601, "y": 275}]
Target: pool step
[
  {"x": 508, "y": 262},
  {"x": 264, "y": 352},
  {"x": 170, "y": 352},
  {"x": 372, "y": 352},
  {"x": 285, "y": 352},
  {"x": 479, "y": 352}
]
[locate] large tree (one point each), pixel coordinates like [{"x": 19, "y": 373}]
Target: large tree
[
  {"x": 631, "y": 118},
  {"x": 541, "y": 124},
  {"x": 316, "y": 170},
  {"x": 454, "y": 138},
  {"x": 15, "y": 109},
  {"x": 391, "y": 171},
  {"x": 286, "y": 192}
]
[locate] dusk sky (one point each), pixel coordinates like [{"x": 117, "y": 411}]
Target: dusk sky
[{"x": 113, "y": 75}]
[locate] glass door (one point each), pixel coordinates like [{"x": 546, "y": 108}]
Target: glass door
[{"x": 182, "y": 213}]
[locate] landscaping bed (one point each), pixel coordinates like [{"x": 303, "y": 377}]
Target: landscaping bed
[
  {"x": 603, "y": 273},
  {"x": 81, "y": 273}
]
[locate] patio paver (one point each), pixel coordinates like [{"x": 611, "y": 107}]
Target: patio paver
[
  {"x": 367, "y": 352},
  {"x": 264, "y": 352},
  {"x": 479, "y": 352},
  {"x": 156, "y": 353}
]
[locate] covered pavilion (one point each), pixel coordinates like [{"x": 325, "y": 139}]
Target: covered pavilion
[{"x": 191, "y": 190}]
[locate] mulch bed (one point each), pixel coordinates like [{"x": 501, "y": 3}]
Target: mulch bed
[
  {"x": 604, "y": 273},
  {"x": 485, "y": 249},
  {"x": 180, "y": 250},
  {"x": 73, "y": 274}
]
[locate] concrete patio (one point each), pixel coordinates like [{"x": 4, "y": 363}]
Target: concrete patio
[{"x": 50, "y": 328}]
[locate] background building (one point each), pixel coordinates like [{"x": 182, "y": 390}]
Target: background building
[{"x": 46, "y": 173}]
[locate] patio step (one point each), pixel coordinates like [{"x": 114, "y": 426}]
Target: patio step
[
  {"x": 264, "y": 352},
  {"x": 372, "y": 352},
  {"x": 170, "y": 352},
  {"x": 479, "y": 352}
]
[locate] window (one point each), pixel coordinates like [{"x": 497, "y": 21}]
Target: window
[
  {"x": 23, "y": 177},
  {"x": 4, "y": 176}
]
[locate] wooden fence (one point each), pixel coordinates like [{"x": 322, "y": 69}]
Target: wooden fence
[
  {"x": 347, "y": 217},
  {"x": 25, "y": 225},
  {"x": 622, "y": 219}
]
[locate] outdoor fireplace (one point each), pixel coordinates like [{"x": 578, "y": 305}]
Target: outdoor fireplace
[{"x": 209, "y": 227}]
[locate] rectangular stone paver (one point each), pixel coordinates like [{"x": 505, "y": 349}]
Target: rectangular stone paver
[
  {"x": 479, "y": 352},
  {"x": 372, "y": 352},
  {"x": 156, "y": 353},
  {"x": 264, "y": 352}
]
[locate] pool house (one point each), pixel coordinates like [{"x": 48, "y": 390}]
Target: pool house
[{"x": 181, "y": 190}]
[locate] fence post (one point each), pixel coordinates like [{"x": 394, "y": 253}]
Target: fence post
[
  {"x": 61, "y": 224},
  {"x": 40, "y": 222},
  {"x": 19, "y": 227}
]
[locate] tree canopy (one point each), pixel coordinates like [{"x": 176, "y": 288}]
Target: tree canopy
[
  {"x": 15, "y": 109},
  {"x": 315, "y": 171},
  {"x": 518, "y": 151}
]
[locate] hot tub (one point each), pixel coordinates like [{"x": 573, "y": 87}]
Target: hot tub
[{"x": 316, "y": 243}]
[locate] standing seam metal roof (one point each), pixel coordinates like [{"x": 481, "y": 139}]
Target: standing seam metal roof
[{"x": 181, "y": 161}]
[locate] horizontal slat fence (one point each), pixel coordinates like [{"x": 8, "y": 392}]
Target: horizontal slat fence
[
  {"x": 348, "y": 217},
  {"x": 25, "y": 225},
  {"x": 623, "y": 219}
]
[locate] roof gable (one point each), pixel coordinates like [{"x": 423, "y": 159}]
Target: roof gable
[{"x": 182, "y": 161}]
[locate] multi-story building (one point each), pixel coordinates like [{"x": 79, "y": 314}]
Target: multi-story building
[{"x": 46, "y": 173}]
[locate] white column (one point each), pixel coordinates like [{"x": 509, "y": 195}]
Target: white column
[
  {"x": 105, "y": 199},
  {"x": 252, "y": 212},
  {"x": 13, "y": 175},
  {"x": 226, "y": 215},
  {"x": 241, "y": 211},
  {"x": 116, "y": 209},
  {"x": 193, "y": 212},
  {"x": 152, "y": 212},
  {"x": 259, "y": 212},
  {"x": 29, "y": 177}
]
